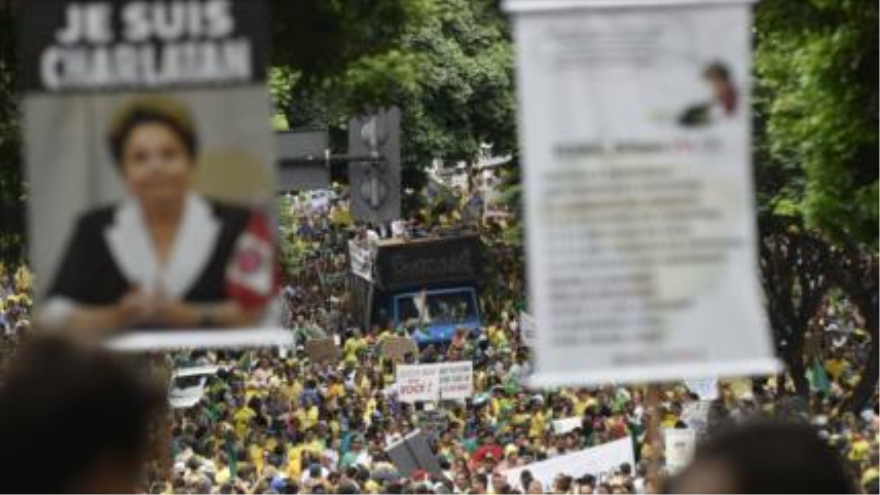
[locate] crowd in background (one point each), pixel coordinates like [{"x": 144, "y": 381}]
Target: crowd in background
[{"x": 272, "y": 421}]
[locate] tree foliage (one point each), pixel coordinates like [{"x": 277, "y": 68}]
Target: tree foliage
[
  {"x": 451, "y": 73},
  {"x": 817, "y": 68},
  {"x": 816, "y": 152}
]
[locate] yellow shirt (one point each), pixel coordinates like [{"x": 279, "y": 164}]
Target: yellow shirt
[
  {"x": 242, "y": 417},
  {"x": 536, "y": 428},
  {"x": 256, "y": 455},
  {"x": 307, "y": 418},
  {"x": 835, "y": 367},
  {"x": 294, "y": 462}
]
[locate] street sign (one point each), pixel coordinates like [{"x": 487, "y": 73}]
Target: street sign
[{"x": 375, "y": 184}]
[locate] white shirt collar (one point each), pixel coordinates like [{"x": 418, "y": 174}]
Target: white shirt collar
[{"x": 192, "y": 248}]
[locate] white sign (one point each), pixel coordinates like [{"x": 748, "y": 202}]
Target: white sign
[
  {"x": 431, "y": 382},
  {"x": 679, "y": 448},
  {"x": 696, "y": 415},
  {"x": 563, "y": 426},
  {"x": 527, "y": 329},
  {"x": 595, "y": 461},
  {"x": 456, "y": 380},
  {"x": 635, "y": 128},
  {"x": 360, "y": 260},
  {"x": 417, "y": 383},
  {"x": 706, "y": 389}
]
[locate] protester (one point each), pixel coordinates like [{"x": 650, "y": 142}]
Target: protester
[
  {"x": 765, "y": 457},
  {"x": 74, "y": 421},
  {"x": 273, "y": 421}
]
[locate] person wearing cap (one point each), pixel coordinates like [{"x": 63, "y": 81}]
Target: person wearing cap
[{"x": 164, "y": 256}]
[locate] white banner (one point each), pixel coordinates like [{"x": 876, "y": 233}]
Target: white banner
[
  {"x": 417, "y": 383},
  {"x": 456, "y": 380},
  {"x": 361, "y": 261},
  {"x": 679, "y": 448},
  {"x": 641, "y": 239},
  {"x": 596, "y": 461},
  {"x": 431, "y": 382}
]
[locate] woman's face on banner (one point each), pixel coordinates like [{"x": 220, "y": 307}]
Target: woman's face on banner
[{"x": 155, "y": 164}]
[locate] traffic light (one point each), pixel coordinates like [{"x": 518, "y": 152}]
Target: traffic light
[{"x": 374, "y": 173}]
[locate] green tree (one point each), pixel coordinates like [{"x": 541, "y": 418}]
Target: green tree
[
  {"x": 11, "y": 176},
  {"x": 816, "y": 122},
  {"x": 451, "y": 73},
  {"x": 817, "y": 68}
]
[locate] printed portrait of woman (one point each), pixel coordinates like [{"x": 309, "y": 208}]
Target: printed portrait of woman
[{"x": 164, "y": 257}]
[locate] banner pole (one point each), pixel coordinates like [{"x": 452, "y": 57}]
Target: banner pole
[{"x": 652, "y": 438}]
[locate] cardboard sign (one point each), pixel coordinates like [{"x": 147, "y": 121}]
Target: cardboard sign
[
  {"x": 158, "y": 114},
  {"x": 320, "y": 350},
  {"x": 398, "y": 349},
  {"x": 638, "y": 190}
]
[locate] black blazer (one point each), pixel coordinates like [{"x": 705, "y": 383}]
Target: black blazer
[{"x": 89, "y": 275}]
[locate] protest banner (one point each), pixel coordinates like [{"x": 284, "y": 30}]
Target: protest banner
[
  {"x": 320, "y": 350},
  {"x": 398, "y": 349},
  {"x": 431, "y": 382},
  {"x": 679, "y": 445},
  {"x": 635, "y": 127},
  {"x": 456, "y": 380},
  {"x": 151, "y": 170},
  {"x": 360, "y": 260},
  {"x": 416, "y": 383},
  {"x": 596, "y": 461}
]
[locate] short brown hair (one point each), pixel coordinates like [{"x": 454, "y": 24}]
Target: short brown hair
[{"x": 152, "y": 110}]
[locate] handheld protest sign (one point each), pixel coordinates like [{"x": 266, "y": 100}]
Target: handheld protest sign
[
  {"x": 398, "y": 349},
  {"x": 320, "y": 350},
  {"x": 151, "y": 169},
  {"x": 639, "y": 201}
]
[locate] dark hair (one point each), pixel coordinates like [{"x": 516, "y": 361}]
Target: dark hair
[
  {"x": 65, "y": 408},
  {"x": 717, "y": 69},
  {"x": 163, "y": 111},
  {"x": 770, "y": 456}
]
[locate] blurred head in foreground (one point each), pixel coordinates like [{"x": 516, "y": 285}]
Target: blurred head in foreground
[
  {"x": 73, "y": 420},
  {"x": 764, "y": 457}
]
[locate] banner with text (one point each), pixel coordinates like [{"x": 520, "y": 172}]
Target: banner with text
[
  {"x": 641, "y": 235},
  {"x": 432, "y": 382},
  {"x": 597, "y": 461},
  {"x": 151, "y": 171}
]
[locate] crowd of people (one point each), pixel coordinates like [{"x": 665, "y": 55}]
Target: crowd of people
[
  {"x": 15, "y": 307},
  {"x": 274, "y": 421}
]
